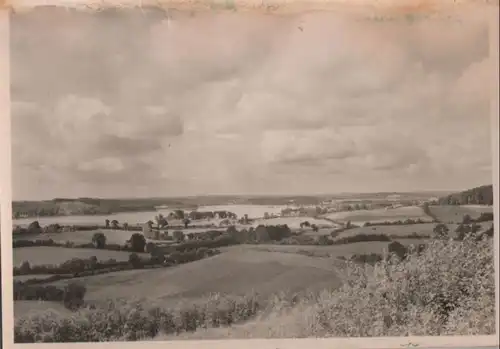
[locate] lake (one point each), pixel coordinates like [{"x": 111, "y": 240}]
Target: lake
[{"x": 133, "y": 218}]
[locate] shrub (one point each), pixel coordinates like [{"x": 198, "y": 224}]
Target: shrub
[
  {"x": 137, "y": 242},
  {"x": 35, "y": 228},
  {"x": 398, "y": 249},
  {"x": 361, "y": 238},
  {"x": 24, "y": 268},
  {"x": 178, "y": 235},
  {"x": 73, "y": 295},
  {"x": 441, "y": 231},
  {"x": 134, "y": 260},
  {"x": 447, "y": 289},
  {"x": 99, "y": 240}
]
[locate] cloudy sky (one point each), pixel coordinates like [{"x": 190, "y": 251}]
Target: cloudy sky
[{"x": 138, "y": 104}]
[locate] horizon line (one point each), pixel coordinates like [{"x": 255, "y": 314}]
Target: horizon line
[{"x": 248, "y": 195}]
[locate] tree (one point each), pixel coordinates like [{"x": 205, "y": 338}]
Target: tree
[
  {"x": 114, "y": 224},
  {"x": 150, "y": 247},
  {"x": 179, "y": 214},
  {"x": 441, "y": 231},
  {"x": 35, "y": 228},
  {"x": 178, "y": 235},
  {"x": 314, "y": 227},
  {"x": 93, "y": 262},
  {"x": 107, "y": 223},
  {"x": 398, "y": 249},
  {"x": 137, "y": 242},
  {"x": 25, "y": 267},
  {"x": 99, "y": 240},
  {"x": 186, "y": 222},
  {"x": 462, "y": 230},
  {"x": 73, "y": 295},
  {"x": 161, "y": 221},
  {"x": 125, "y": 226},
  {"x": 323, "y": 240}
]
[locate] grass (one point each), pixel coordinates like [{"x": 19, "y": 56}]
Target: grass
[
  {"x": 449, "y": 289},
  {"x": 294, "y": 222},
  {"x": 360, "y": 217},
  {"x": 56, "y": 255},
  {"x": 395, "y": 230},
  {"x": 23, "y": 278},
  {"x": 82, "y": 237},
  {"x": 333, "y": 251},
  {"x": 455, "y": 213},
  {"x": 236, "y": 272},
  {"x": 24, "y": 309}
]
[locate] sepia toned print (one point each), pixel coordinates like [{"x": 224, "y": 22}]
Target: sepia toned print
[{"x": 217, "y": 175}]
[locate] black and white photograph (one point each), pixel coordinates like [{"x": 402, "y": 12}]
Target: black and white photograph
[{"x": 222, "y": 174}]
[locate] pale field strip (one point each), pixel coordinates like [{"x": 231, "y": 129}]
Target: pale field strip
[{"x": 386, "y": 7}]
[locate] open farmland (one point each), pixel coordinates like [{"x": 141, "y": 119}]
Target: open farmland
[
  {"x": 333, "y": 251},
  {"x": 294, "y": 222},
  {"x": 360, "y": 217},
  {"x": 237, "y": 272},
  {"x": 82, "y": 236},
  {"x": 56, "y": 255},
  {"x": 425, "y": 229},
  {"x": 455, "y": 213}
]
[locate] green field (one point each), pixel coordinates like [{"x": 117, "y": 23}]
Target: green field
[
  {"x": 56, "y": 255},
  {"x": 329, "y": 251},
  {"x": 395, "y": 230},
  {"x": 81, "y": 237},
  {"x": 455, "y": 213},
  {"x": 238, "y": 271},
  {"x": 360, "y": 217},
  {"x": 23, "y": 278}
]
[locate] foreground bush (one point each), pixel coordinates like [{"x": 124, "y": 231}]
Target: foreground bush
[
  {"x": 131, "y": 322},
  {"x": 448, "y": 288}
]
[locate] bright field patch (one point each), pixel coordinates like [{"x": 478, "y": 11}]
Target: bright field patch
[
  {"x": 455, "y": 213},
  {"x": 56, "y": 255},
  {"x": 333, "y": 251},
  {"x": 360, "y": 217},
  {"x": 294, "y": 222},
  {"x": 395, "y": 230},
  {"x": 83, "y": 237},
  {"x": 237, "y": 272}
]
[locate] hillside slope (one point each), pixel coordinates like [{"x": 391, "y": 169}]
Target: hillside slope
[
  {"x": 482, "y": 195},
  {"x": 236, "y": 272}
]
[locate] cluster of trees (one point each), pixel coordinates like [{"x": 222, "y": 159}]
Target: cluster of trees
[
  {"x": 306, "y": 224},
  {"x": 482, "y": 195},
  {"x": 71, "y": 295},
  {"x": 442, "y": 232},
  {"x": 408, "y": 221}
]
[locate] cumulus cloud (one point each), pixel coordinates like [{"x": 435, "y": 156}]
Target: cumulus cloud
[{"x": 127, "y": 103}]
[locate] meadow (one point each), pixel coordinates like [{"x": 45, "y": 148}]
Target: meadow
[
  {"x": 268, "y": 288},
  {"x": 294, "y": 222},
  {"x": 236, "y": 272},
  {"x": 360, "y": 217},
  {"x": 455, "y": 213},
  {"x": 55, "y": 255},
  {"x": 392, "y": 298}
]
